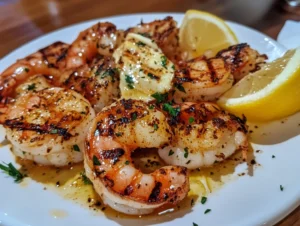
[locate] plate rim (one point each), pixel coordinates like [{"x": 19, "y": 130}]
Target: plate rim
[{"x": 288, "y": 209}]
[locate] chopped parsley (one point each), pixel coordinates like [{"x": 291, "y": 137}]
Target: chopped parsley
[
  {"x": 207, "y": 211},
  {"x": 159, "y": 97},
  {"x": 118, "y": 134},
  {"x": 109, "y": 72},
  {"x": 129, "y": 81},
  {"x": 194, "y": 224},
  {"x": 127, "y": 162},
  {"x": 85, "y": 179},
  {"x": 180, "y": 88},
  {"x": 203, "y": 200},
  {"x": 31, "y": 87},
  {"x": 188, "y": 162},
  {"x": 171, "y": 152},
  {"x": 53, "y": 131},
  {"x": 96, "y": 161},
  {"x": 26, "y": 69},
  {"x": 281, "y": 188},
  {"x": 12, "y": 171},
  {"x": 173, "y": 67},
  {"x": 155, "y": 127},
  {"x": 273, "y": 156},
  {"x": 172, "y": 111},
  {"x": 133, "y": 116},
  {"x": 151, "y": 107},
  {"x": 139, "y": 43},
  {"x": 164, "y": 61},
  {"x": 191, "y": 120},
  {"x": 152, "y": 76},
  {"x": 186, "y": 152},
  {"x": 76, "y": 148}
]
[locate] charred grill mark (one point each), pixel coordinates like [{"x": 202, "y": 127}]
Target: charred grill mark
[
  {"x": 235, "y": 48},
  {"x": 54, "y": 53},
  {"x": 212, "y": 72},
  {"x": 241, "y": 122},
  {"x": 162, "y": 171},
  {"x": 114, "y": 154},
  {"x": 109, "y": 182},
  {"x": 127, "y": 104},
  {"x": 218, "y": 122},
  {"x": 154, "y": 196},
  {"x": 62, "y": 55},
  {"x": 43, "y": 129},
  {"x": 183, "y": 171},
  {"x": 128, "y": 190}
]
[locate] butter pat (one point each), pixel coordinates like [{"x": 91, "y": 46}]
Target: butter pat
[{"x": 144, "y": 69}]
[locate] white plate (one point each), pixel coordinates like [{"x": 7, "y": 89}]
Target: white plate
[{"x": 249, "y": 200}]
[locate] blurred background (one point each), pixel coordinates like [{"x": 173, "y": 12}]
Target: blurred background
[{"x": 23, "y": 20}]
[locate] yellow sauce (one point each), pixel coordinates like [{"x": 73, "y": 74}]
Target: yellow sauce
[
  {"x": 56, "y": 213},
  {"x": 68, "y": 182}
]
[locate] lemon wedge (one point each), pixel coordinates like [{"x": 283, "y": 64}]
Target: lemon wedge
[
  {"x": 201, "y": 31},
  {"x": 270, "y": 93}
]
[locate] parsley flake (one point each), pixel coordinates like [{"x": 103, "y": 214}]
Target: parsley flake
[
  {"x": 180, "y": 88},
  {"x": 151, "y": 107},
  {"x": 127, "y": 162},
  {"x": 85, "y": 179},
  {"x": 159, "y": 97},
  {"x": 118, "y": 134},
  {"x": 155, "y": 127},
  {"x": 129, "y": 81},
  {"x": 139, "y": 43},
  {"x": 186, "y": 152},
  {"x": 53, "y": 131},
  {"x": 194, "y": 224},
  {"x": 133, "y": 116},
  {"x": 207, "y": 211},
  {"x": 172, "y": 111},
  {"x": 171, "y": 152},
  {"x": 152, "y": 76},
  {"x": 203, "y": 200},
  {"x": 191, "y": 120},
  {"x": 26, "y": 69},
  {"x": 96, "y": 161},
  {"x": 164, "y": 61},
  {"x": 12, "y": 171},
  {"x": 76, "y": 148},
  {"x": 281, "y": 188},
  {"x": 31, "y": 87}
]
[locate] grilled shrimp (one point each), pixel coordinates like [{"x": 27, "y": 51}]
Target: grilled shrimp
[
  {"x": 115, "y": 133},
  {"x": 97, "y": 82},
  {"x": 35, "y": 83},
  {"x": 101, "y": 38},
  {"x": 48, "y": 126},
  {"x": 203, "y": 79},
  {"x": 204, "y": 134},
  {"x": 163, "y": 32},
  {"x": 47, "y": 61},
  {"x": 241, "y": 59}
]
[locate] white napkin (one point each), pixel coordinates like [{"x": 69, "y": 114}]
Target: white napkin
[{"x": 289, "y": 35}]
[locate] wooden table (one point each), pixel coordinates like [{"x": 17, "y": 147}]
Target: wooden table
[{"x": 24, "y": 20}]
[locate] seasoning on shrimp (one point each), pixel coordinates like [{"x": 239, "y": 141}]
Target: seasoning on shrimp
[{"x": 115, "y": 178}]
